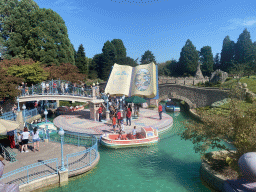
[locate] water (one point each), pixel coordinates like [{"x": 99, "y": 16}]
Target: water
[{"x": 170, "y": 165}]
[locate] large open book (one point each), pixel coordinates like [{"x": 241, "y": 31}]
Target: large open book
[{"x": 130, "y": 81}]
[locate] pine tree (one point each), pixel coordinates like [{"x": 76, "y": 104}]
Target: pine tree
[
  {"x": 227, "y": 54},
  {"x": 147, "y": 57},
  {"x": 206, "y": 58},
  {"x": 189, "y": 58},
  {"x": 244, "y": 48},
  {"x": 216, "y": 62},
  {"x": 120, "y": 48},
  {"x": 109, "y": 57},
  {"x": 81, "y": 60},
  {"x": 126, "y": 61}
]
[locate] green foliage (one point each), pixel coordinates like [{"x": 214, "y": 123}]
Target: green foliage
[
  {"x": 32, "y": 73},
  {"x": 120, "y": 48},
  {"x": 126, "y": 61},
  {"x": 147, "y": 57},
  {"x": 238, "y": 127},
  {"x": 227, "y": 54},
  {"x": 216, "y": 60},
  {"x": 80, "y": 60},
  {"x": 189, "y": 58},
  {"x": 40, "y": 34},
  {"x": 152, "y": 106},
  {"x": 244, "y": 49},
  {"x": 206, "y": 58},
  {"x": 109, "y": 56},
  {"x": 97, "y": 65}
]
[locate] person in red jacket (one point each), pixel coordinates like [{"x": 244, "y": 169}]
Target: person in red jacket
[
  {"x": 160, "y": 111},
  {"x": 119, "y": 115},
  {"x": 100, "y": 113},
  {"x": 128, "y": 117}
]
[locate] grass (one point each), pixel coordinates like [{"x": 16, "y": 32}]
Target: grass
[{"x": 251, "y": 83}]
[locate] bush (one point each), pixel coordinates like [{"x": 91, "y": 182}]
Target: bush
[{"x": 152, "y": 106}]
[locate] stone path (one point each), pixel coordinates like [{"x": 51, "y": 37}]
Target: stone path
[{"x": 79, "y": 122}]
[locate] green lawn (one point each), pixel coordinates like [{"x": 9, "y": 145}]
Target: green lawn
[{"x": 251, "y": 83}]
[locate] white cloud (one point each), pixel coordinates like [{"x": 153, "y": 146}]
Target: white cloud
[{"x": 235, "y": 23}]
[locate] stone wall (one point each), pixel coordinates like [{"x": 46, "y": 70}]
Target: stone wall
[
  {"x": 194, "y": 96},
  {"x": 182, "y": 80}
]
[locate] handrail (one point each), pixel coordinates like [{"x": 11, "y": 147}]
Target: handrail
[
  {"x": 56, "y": 87},
  {"x": 9, "y": 116}
]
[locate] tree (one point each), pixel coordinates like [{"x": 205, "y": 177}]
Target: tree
[
  {"x": 40, "y": 34},
  {"x": 81, "y": 60},
  {"x": 120, "y": 48},
  {"x": 65, "y": 71},
  {"x": 109, "y": 56},
  {"x": 126, "y": 61},
  {"x": 216, "y": 60},
  {"x": 189, "y": 58},
  {"x": 147, "y": 57},
  {"x": 206, "y": 58},
  {"x": 244, "y": 50},
  {"x": 227, "y": 54},
  {"x": 31, "y": 73},
  {"x": 97, "y": 64}
]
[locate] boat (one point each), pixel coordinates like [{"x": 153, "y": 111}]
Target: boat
[
  {"x": 171, "y": 106},
  {"x": 147, "y": 136}
]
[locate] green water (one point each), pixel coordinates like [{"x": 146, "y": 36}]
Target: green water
[{"x": 170, "y": 165}]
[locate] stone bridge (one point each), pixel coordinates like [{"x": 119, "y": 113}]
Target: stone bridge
[{"x": 193, "y": 96}]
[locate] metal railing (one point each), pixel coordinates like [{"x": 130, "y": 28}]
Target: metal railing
[
  {"x": 31, "y": 172},
  {"x": 81, "y": 159},
  {"x": 9, "y": 116},
  {"x": 31, "y": 113},
  {"x": 56, "y": 87},
  {"x": 74, "y": 161}
]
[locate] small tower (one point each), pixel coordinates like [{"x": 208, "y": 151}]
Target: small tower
[{"x": 199, "y": 74}]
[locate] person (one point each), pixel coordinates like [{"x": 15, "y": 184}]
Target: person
[
  {"x": 11, "y": 138},
  {"x": 36, "y": 139},
  {"x": 119, "y": 117},
  {"x": 114, "y": 123},
  {"x": 54, "y": 86},
  {"x": 47, "y": 88},
  {"x": 134, "y": 132},
  {"x": 43, "y": 87},
  {"x": 24, "y": 137},
  {"x": 128, "y": 117},
  {"x": 62, "y": 88},
  {"x": 66, "y": 87},
  {"x": 122, "y": 127},
  {"x": 19, "y": 140},
  {"x": 160, "y": 111},
  {"x": 100, "y": 113}
]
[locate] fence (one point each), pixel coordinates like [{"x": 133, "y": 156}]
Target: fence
[
  {"x": 74, "y": 161},
  {"x": 9, "y": 116},
  {"x": 31, "y": 113},
  {"x": 56, "y": 87},
  {"x": 31, "y": 172}
]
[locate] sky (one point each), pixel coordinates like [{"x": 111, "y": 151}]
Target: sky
[{"x": 161, "y": 26}]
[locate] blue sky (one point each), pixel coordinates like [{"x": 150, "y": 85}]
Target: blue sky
[{"x": 161, "y": 26}]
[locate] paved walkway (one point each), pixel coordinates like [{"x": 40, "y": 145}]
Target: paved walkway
[
  {"x": 47, "y": 151},
  {"x": 79, "y": 122}
]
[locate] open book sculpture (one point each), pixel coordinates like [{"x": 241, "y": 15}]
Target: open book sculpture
[{"x": 130, "y": 81}]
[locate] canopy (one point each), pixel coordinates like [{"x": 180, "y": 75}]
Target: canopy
[
  {"x": 6, "y": 126},
  {"x": 135, "y": 100}
]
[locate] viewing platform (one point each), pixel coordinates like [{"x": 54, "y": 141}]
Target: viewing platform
[{"x": 80, "y": 122}]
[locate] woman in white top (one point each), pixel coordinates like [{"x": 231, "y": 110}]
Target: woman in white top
[
  {"x": 24, "y": 137},
  {"x": 36, "y": 139}
]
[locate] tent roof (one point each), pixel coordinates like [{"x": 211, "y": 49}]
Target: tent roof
[{"x": 6, "y": 125}]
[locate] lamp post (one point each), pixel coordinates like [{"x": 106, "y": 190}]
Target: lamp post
[
  {"x": 18, "y": 101},
  {"x": 61, "y": 133},
  {"x": 121, "y": 104},
  {"x": 24, "y": 113},
  {"x": 45, "y": 113},
  {"x": 107, "y": 104}
]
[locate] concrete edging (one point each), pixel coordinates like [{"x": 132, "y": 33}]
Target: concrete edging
[{"x": 54, "y": 179}]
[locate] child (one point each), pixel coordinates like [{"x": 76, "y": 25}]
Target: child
[
  {"x": 19, "y": 140},
  {"x": 122, "y": 127},
  {"x": 114, "y": 123}
]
